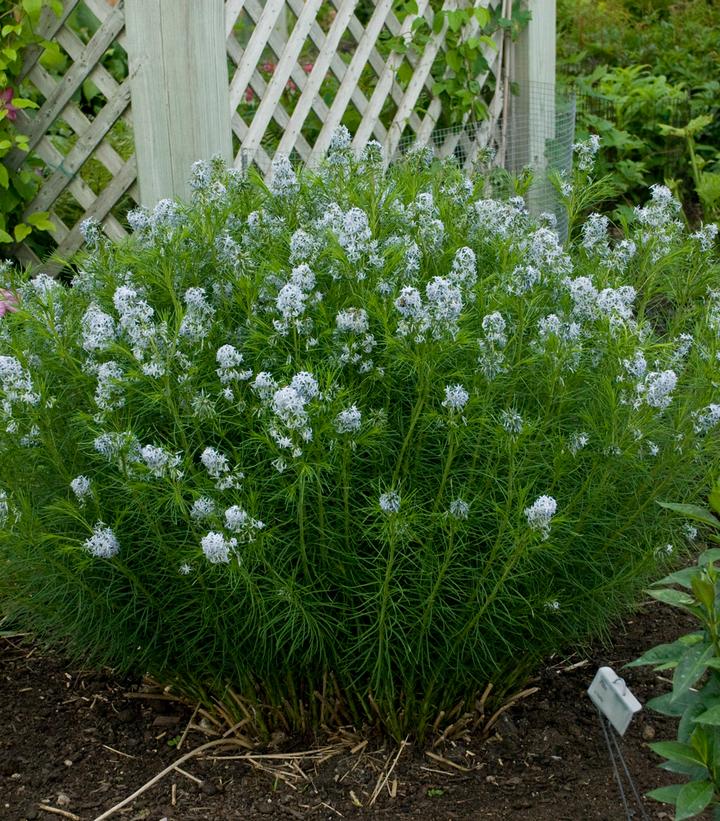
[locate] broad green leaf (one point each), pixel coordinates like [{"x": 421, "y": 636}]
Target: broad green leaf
[
  {"x": 660, "y": 654},
  {"x": 699, "y": 736},
  {"x": 698, "y": 124},
  {"x": 701, "y": 739},
  {"x": 482, "y": 15},
  {"x": 667, "y": 795},
  {"x": 90, "y": 90},
  {"x": 405, "y": 73},
  {"x": 691, "y": 772},
  {"x": 682, "y": 577},
  {"x": 21, "y": 231},
  {"x": 41, "y": 220},
  {"x": 709, "y": 556},
  {"x": 4, "y": 176},
  {"x": 21, "y": 102},
  {"x": 699, "y": 514},
  {"x": 674, "y": 597},
  {"x": 52, "y": 57},
  {"x": 666, "y": 706},
  {"x": 678, "y": 752},
  {"x": 693, "y": 798},
  {"x": 690, "y": 667},
  {"x": 711, "y": 716},
  {"x": 25, "y": 183},
  {"x": 33, "y": 8},
  {"x": 456, "y": 19},
  {"x": 714, "y": 499},
  {"x": 671, "y": 130},
  {"x": 452, "y": 58},
  {"x": 5, "y": 237},
  {"x": 704, "y": 591},
  {"x": 689, "y": 639}
]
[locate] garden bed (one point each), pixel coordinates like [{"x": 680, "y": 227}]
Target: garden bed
[{"x": 73, "y": 740}]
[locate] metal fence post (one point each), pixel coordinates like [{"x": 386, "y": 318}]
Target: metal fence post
[{"x": 179, "y": 85}]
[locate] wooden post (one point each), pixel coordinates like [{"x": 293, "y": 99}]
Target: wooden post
[
  {"x": 179, "y": 86},
  {"x": 533, "y": 110}
]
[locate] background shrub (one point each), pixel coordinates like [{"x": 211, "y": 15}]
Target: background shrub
[
  {"x": 641, "y": 66},
  {"x": 362, "y": 432}
]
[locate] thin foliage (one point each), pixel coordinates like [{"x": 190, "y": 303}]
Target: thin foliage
[{"x": 362, "y": 432}]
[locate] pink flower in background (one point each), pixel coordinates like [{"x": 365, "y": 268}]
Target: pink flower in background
[
  {"x": 6, "y": 98},
  {"x": 268, "y": 67},
  {"x": 308, "y": 67},
  {"x": 291, "y": 87},
  {"x": 8, "y": 302},
  {"x": 249, "y": 95}
]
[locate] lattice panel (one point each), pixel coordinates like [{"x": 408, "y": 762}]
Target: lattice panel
[
  {"x": 84, "y": 175},
  {"x": 298, "y": 69},
  {"x": 299, "y": 72}
]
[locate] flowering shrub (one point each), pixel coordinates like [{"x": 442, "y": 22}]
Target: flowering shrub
[{"x": 360, "y": 432}]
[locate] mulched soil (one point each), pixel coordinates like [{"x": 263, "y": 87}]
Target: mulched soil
[{"x": 73, "y": 741}]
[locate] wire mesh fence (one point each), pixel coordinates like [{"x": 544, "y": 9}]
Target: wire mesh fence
[{"x": 535, "y": 134}]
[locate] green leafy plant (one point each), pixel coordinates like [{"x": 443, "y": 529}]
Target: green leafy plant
[
  {"x": 634, "y": 102},
  {"x": 707, "y": 183},
  {"x": 695, "y": 662},
  {"x": 459, "y": 65},
  {"x": 17, "y": 188},
  {"x": 631, "y": 62},
  {"x": 349, "y": 446}
]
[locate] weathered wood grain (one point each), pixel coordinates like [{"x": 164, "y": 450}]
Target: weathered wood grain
[{"x": 179, "y": 85}]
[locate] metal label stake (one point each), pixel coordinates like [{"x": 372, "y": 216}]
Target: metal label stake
[{"x": 616, "y": 706}]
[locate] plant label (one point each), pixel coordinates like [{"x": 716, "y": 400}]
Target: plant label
[{"x": 611, "y": 696}]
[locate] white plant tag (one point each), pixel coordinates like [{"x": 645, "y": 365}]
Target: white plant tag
[{"x": 611, "y": 696}]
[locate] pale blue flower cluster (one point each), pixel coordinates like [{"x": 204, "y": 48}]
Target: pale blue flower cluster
[
  {"x": 103, "y": 544},
  {"x": 540, "y": 514}
]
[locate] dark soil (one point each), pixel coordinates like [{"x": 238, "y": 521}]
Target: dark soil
[{"x": 74, "y": 741}]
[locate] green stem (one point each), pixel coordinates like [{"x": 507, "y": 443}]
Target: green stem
[
  {"x": 346, "y": 494},
  {"x": 651, "y": 500},
  {"x": 446, "y": 470},
  {"x": 301, "y": 526},
  {"x": 693, "y": 161},
  {"x": 503, "y": 524},
  {"x": 417, "y": 410},
  {"x": 321, "y": 521},
  {"x": 427, "y": 612},
  {"x": 384, "y": 599},
  {"x": 509, "y": 566}
]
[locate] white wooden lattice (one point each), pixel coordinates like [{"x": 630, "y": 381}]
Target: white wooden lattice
[
  {"x": 61, "y": 172},
  {"x": 390, "y": 113},
  {"x": 278, "y": 101}
]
